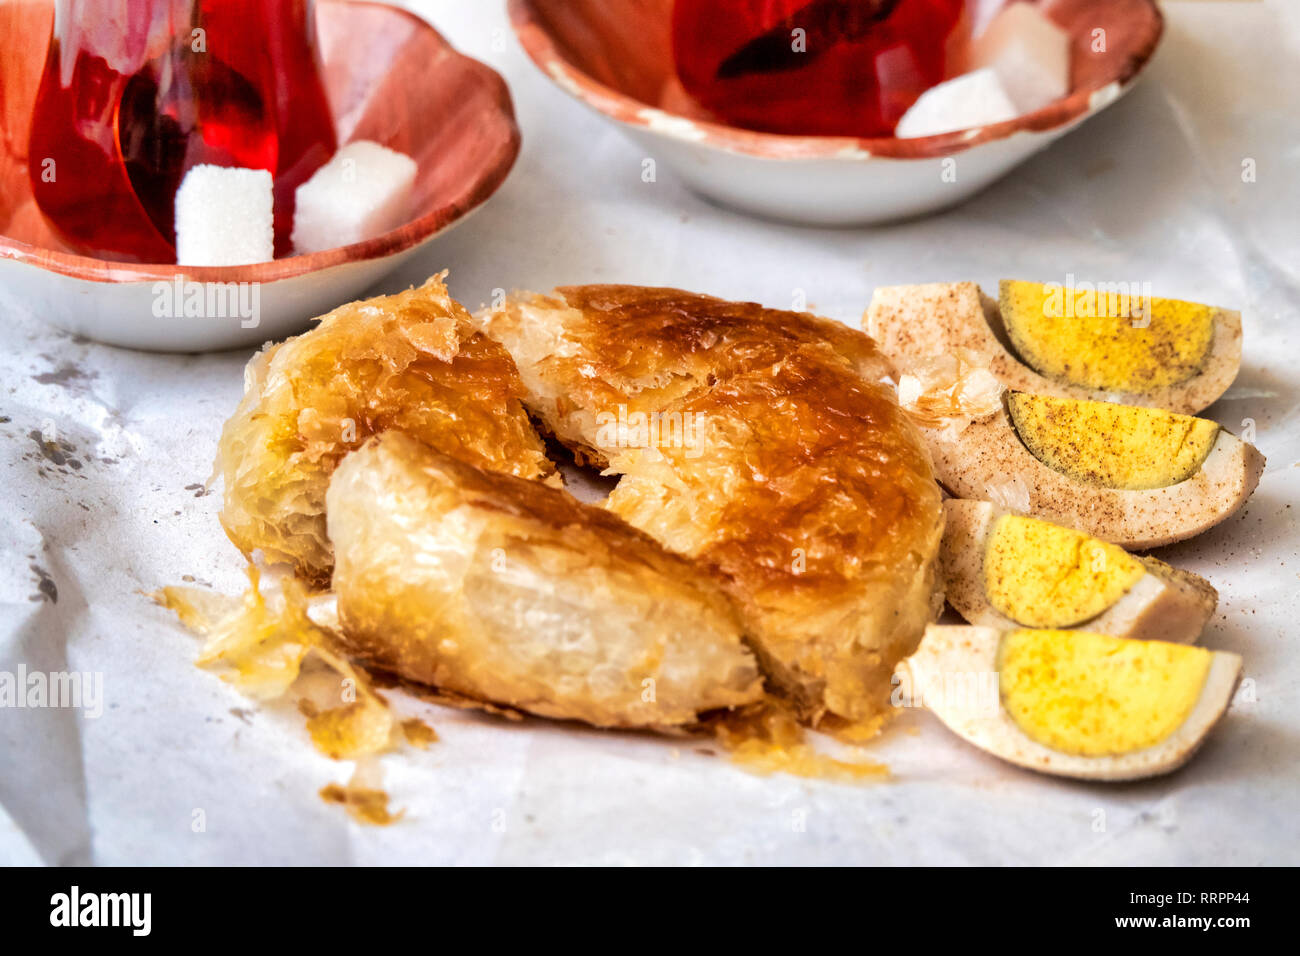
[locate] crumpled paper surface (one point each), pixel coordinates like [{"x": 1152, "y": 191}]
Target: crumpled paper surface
[{"x": 178, "y": 768}]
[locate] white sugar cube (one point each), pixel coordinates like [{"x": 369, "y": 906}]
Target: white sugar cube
[
  {"x": 362, "y": 192},
  {"x": 1030, "y": 53},
  {"x": 225, "y": 217},
  {"x": 966, "y": 101},
  {"x": 982, "y": 12}
]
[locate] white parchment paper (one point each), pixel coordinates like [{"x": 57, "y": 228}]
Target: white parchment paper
[{"x": 1150, "y": 191}]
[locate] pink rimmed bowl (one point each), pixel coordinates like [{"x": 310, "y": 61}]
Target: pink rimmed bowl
[
  {"x": 616, "y": 57},
  {"x": 390, "y": 77}
]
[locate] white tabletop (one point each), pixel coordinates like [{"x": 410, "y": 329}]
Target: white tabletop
[{"x": 1150, "y": 191}]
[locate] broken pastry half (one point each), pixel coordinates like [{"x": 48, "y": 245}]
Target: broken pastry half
[
  {"x": 1010, "y": 571},
  {"x": 505, "y": 590},
  {"x": 763, "y": 445},
  {"x": 1102, "y": 343},
  {"x": 411, "y": 361},
  {"x": 1136, "y": 477},
  {"x": 1071, "y": 703}
]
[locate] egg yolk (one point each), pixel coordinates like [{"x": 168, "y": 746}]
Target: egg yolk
[
  {"x": 1094, "y": 695},
  {"x": 1106, "y": 340},
  {"x": 1042, "y": 575},
  {"x": 1115, "y": 446}
]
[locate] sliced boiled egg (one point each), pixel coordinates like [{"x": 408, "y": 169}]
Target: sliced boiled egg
[
  {"x": 1136, "y": 477},
  {"x": 1071, "y": 703},
  {"x": 1005, "y": 570},
  {"x": 1118, "y": 446},
  {"x": 1090, "y": 342}
]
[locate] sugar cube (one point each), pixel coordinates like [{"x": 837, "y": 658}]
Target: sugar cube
[
  {"x": 363, "y": 191},
  {"x": 1030, "y": 53},
  {"x": 981, "y": 13},
  {"x": 225, "y": 217},
  {"x": 972, "y": 99}
]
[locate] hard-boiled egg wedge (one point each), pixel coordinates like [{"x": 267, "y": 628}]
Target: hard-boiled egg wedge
[
  {"x": 1071, "y": 703},
  {"x": 1116, "y": 446},
  {"x": 1006, "y": 570},
  {"x": 1105, "y": 343},
  {"x": 1136, "y": 477}
]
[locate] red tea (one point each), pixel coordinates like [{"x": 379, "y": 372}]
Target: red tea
[
  {"x": 136, "y": 92},
  {"x": 817, "y": 67}
]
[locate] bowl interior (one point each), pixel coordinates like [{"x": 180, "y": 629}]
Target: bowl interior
[
  {"x": 626, "y": 47},
  {"x": 390, "y": 77}
]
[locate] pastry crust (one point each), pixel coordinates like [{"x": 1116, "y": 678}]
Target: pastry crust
[
  {"x": 806, "y": 487},
  {"x": 506, "y": 590},
  {"x": 412, "y": 361}
]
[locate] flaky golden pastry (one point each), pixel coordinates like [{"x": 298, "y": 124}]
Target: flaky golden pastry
[
  {"x": 762, "y": 444},
  {"x": 411, "y": 361},
  {"x": 509, "y": 591}
]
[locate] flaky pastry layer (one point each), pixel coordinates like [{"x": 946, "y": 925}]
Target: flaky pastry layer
[
  {"x": 509, "y": 591},
  {"x": 780, "y": 460},
  {"x": 411, "y": 361}
]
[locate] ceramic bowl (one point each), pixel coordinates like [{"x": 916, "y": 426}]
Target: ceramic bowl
[
  {"x": 616, "y": 57},
  {"x": 390, "y": 78}
]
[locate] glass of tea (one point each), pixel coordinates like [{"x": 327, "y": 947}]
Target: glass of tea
[
  {"x": 136, "y": 92},
  {"x": 817, "y": 67}
]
